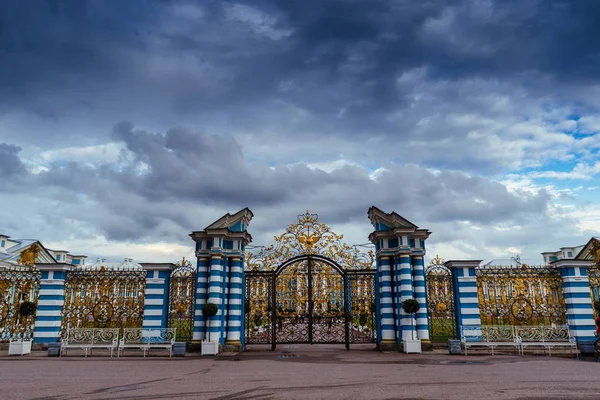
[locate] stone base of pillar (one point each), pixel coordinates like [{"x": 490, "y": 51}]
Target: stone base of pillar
[
  {"x": 390, "y": 345},
  {"x": 426, "y": 345},
  {"x": 232, "y": 347}
]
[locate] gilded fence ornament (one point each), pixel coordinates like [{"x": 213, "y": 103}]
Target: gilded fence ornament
[
  {"x": 104, "y": 298},
  {"x": 18, "y": 284},
  {"x": 182, "y": 299},
  {"x": 520, "y": 295},
  {"x": 440, "y": 301}
]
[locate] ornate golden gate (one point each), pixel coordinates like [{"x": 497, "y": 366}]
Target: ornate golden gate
[
  {"x": 440, "y": 301},
  {"x": 309, "y": 288},
  {"x": 18, "y": 285},
  {"x": 104, "y": 298},
  {"x": 182, "y": 300}
]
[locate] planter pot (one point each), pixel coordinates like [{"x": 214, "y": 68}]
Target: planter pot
[
  {"x": 209, "y": 348},
  {"x": 412, "y": 346},
  {"x": 19, "y": 347}
]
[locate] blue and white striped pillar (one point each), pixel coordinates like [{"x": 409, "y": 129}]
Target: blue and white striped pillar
[
  {"x": 397, "y": 302},
  {"x": 420, "y": 296},
  {"x": 51, "y": 301},
  {"x": 386, "y": 311},
  {"x": 201, "y": 296},
  {"x": 215, "y": 296},
  {"x": 466, "y": 303},
  {"x": 156, "y": 302},
  {"x": 225, "y": 263},
  {"x": 234, "y": 312},
  {"x": 578, "y": 302},
  {"x": 407, "y": 322}
]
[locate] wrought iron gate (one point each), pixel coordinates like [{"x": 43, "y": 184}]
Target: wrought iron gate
[
  {"x": 182, "y": 300},
  {"x": 310, "y": 287},
  {"x": 440, "y": 301},
  {"x": 18, "y": 284},
  {"x": 104, "y": 298}
]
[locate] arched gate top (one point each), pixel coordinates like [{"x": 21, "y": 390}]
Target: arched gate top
[{"x": 305, "y": 257}]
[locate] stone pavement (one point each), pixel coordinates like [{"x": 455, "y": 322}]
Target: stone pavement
[{"x": 299, "y": 372}]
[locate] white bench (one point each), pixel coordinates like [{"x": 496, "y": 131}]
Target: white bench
[
  {"x": 147, "y": 338},
  {"x": 546, "y": 337},
  {"x": 489, "y": 336},
  {"x": 89, "y": 339}
]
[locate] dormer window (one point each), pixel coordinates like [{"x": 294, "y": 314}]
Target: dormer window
[
  {"x": 570, "y": 254},
  {"x": 2, "y": 243}
]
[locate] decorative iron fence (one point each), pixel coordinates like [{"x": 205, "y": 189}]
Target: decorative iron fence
[
  {"x": 258, "y": 307},
  {"x": 522, "y": 295},
  {"x": 594, "y": 279},
  {"x": 361, "y": 306},
  {"x": 182, "y": 300},
  {"x": 18, "y": 285},
  {"x": 104, "y": 298},
  {"x": 440, "y": 301}
]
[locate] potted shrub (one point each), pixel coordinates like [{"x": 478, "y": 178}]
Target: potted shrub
[
  {"x": 209, "y": 347},
  {"x": 411, "y": 307},
  {"x": 22, "y": 346}
]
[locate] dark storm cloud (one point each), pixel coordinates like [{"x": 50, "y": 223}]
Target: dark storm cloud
[
  {"x": 10, "y": 163},
  {"x": 322, "y": 56},
  {"x": 192, "y": 169}
]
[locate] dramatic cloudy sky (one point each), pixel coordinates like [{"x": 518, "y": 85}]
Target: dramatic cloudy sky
[{"x": 124, "y": 125}]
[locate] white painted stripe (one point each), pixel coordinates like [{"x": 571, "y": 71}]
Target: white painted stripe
[
  {"x": 467, "y": 279},
  {"x": 233, "y": 336},
  {"x": 214, "y": 289},
  {"x": 469, "y": 311},
  {"x": 418, "y": 278},
  {"x": 388, "y": 334},
  {"x": 153, "y": 302},
  {"x": 576, "y": 311},
  {"x": 153, "y": 313},
  {"x": 235, "y": 312},
  {"x": 216, "y": 267},
  {"x": 386, "y": 278},
  {"x": 582, "y": 332},
  {"x": 45, "y": 313},
  {"x": 419, "y": 289},
  {"x": 155, "y": 291},
  {"x": 471, "y": 321},
  {"x": 52, "y": 335},
  {"x": 406, "y": 287},
  {"x": 462, "y": 289},
  {"x": 53, "y": 324},
  {"x": 235, "y": 279},
  {"x": 386, "y": 300},
  {"x": 387, "y": 310},
  {"x": 51, "y": 302},
  {"x": 585, "y": 300},
  {"x": 202, "y": 279},
  {"x": 569, "y": 290},
  {"x": 235, "y": 301},
  {"x": 148, "y": 322},
  {"x": 469, "y": 300},
  {"x": 571, "y": 279},
  {"x": 387, "y": 321},
  {"x": 217, "y": 279},
  {"x": 234, "y": 323},
  {"x": 52, "y": 292},
  {"x": 406, "y": 277},
  {"x": 236, "y": 291},
  {"x": 155, "y": 281}
]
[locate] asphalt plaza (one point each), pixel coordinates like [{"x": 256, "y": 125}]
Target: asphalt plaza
[{"x": 299, "y": 372}]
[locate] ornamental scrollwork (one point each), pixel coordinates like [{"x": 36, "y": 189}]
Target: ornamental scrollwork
[{"x": 308, "y": 237}]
